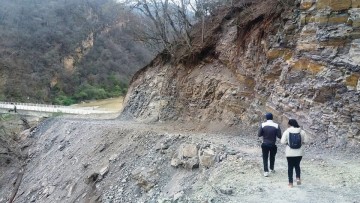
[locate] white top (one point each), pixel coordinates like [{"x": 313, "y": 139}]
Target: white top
[{"x": 289, "y": 152}]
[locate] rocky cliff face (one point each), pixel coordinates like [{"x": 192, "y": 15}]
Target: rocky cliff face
[{"x": 298, "y": 61}]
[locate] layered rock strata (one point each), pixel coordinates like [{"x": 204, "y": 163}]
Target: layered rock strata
[{"x": 297, "y": 61}]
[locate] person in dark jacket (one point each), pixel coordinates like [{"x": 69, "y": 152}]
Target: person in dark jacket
[{"x": 269, "y": 130}]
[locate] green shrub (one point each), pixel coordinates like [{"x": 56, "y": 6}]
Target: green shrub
[{"x": 64, "y": 100}]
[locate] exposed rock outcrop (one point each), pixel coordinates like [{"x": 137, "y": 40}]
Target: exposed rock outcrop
[{"x": 297, "y": 61}]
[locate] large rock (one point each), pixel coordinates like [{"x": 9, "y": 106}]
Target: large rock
[
  {"x": 189, "y": 150},
  {"x": 207, "y": 158},
  {"x": 190, "y": 157}
]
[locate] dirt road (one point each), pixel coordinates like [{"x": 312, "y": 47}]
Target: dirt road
[{"x": 77, "y": 160}]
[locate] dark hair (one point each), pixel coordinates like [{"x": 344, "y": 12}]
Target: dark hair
[
  {"x": 293, "y": 123},
  {"x": 268, "y": 116}
]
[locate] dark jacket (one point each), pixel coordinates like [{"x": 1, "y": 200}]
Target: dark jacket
[{"x": 269, "y": 131}]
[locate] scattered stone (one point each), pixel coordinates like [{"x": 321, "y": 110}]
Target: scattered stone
[
  {"x": 220, "y": 157},
  {"x": 227, "y": 190},
  {"x": 48, "y": 190},
  {"x": 102, "y": 147},
  {"x": 71, "y": 189},
  {"x": 175, "y": 162},
  {"x": 103, "y": 171},
  {"x": 231, "y": 152},
  {"x": 113, "y": 157},
  {"x": 162, "y": 146},
  {"x": 61, "y": 147}
]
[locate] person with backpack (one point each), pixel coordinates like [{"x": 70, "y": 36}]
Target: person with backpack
[
  {"x": 294, "y": 138},
  {"x": 269, "y": 130}
]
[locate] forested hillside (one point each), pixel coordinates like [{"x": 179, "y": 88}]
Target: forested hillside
[{"x": 61, "y": 51}]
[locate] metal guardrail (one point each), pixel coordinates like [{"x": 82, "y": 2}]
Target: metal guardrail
[{"x": 49, "y": 108}]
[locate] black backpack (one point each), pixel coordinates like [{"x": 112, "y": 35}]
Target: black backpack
[{"x": 294, "y": 140}]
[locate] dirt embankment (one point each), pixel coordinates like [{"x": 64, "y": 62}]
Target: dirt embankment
[{"x": 76, "y": 160}]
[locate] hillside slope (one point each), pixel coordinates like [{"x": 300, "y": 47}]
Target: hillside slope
[
  {"x": 61, "y": 51},
  {"x": 297, "y": 61}
]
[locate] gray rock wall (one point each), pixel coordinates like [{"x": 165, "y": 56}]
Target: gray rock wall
[{"x": 300, "y": 62}]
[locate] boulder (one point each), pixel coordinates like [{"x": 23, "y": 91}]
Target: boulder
[
  {"x": 189, "y": 150},
  {"x": 207, "y": 158}
]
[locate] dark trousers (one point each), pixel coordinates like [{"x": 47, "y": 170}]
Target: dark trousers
[
  {"x": 293, "y": 162},
  {"x": 266, "y": 150}
]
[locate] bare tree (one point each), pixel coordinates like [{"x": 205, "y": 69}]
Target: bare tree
[
  {"x": 164, "y": 23},
  {"x": 204, "y": 8}
]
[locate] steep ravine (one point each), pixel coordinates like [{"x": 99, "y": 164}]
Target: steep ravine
[{"x": 297, "y": 61}]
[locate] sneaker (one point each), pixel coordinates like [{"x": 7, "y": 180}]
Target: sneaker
[
  {"x": 272, "y": 171},
  {"x": 290, "y": 185},
  {"x": 266, "y": 174},
  {"x": 298, "y": 181}
]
